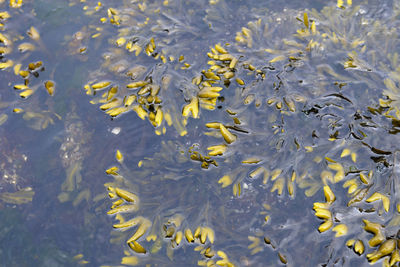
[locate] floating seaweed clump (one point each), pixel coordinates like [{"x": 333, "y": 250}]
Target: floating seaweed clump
[
  {"x": 167, "y": 230},
  {"x": 21, "y": 60},
  {"x": 373, "y": 204},
  {"x": 28, "y": 71},
  {"x": 150, "y": 92}
]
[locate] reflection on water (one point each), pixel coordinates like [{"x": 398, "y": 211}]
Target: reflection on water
[{"x": 199, "y": 133}]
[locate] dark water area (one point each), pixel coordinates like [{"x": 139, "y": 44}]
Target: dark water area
[{"x": 199, "y": 133}]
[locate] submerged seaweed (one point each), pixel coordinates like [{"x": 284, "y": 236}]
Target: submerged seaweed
[{"x": 285, "y": 128}]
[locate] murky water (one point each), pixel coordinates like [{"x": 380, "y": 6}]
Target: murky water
[{"x": 199, "y": 133}]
